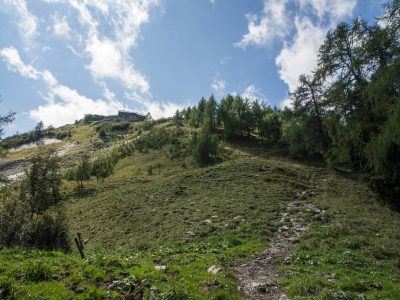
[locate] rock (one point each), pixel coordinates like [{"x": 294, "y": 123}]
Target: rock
[
  {"x": 304, "y": 195},
  {"x": 287, "y": 260},
  {"x": 262, "y": 288},
  {"x": 207, "y": 221},
  {"x": 376, "y": 286},
  {"x": 331, "y": 277},
  {"x": 213, "y": 270},
  {"x": 191, "y": 234},
  {"x": 160, "y": 268},
  {"x": 284, "y": 228}
]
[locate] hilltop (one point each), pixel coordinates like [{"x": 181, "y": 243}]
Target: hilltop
[{"x": 161, "y": 225}]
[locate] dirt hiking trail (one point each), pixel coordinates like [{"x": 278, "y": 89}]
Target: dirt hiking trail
[{"x": 259, "y": 278}]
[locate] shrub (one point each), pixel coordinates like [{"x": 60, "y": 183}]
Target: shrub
[
  {"x": 13, "y": 215},
  {"x": 156, "y": 139},
  {"x": 6, "y": 289},
  {"x": 18, "y": 227},
  {"x": 120, "y": 126},
  {"x": 48, "y": 231},
  {"x": 101, "y": 167},
  {"x": 110, "y": 129},
  {"x": 176, "y": 149}
]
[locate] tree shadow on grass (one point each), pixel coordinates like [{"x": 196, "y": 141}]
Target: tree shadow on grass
[
  {"x": 83, "y": 192},
  {"x": 262, "y": 149}
]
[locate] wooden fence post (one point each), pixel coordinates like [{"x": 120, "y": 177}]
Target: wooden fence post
[{"x": 80, "y": 245}]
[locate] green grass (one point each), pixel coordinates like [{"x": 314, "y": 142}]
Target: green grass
[
  {"x": 189, "y": 218},
  {"x": 134, "y": 210},
  {"x": 354, "y": 253}
]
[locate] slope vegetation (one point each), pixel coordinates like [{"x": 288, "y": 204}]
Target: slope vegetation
[{"x": 166, "y": 228}]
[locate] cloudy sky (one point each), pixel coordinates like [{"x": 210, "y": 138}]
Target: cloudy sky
[{"x": 61, "y": 59}]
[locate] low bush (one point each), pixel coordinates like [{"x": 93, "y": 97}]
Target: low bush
[
  {"x": 18, "y": 227},
  {"x": 13, "y": 215},
  {"x": 6, "y": 288},
  {"x": 48, "y": 231},
  {"x": 156, "y": 139},
  {"x": 111, "y": 128}
]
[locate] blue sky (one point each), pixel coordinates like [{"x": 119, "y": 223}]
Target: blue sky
[{"x": 61, "y": 59}]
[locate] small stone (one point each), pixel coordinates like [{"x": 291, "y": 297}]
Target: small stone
[
  {"x": 190, "y": 234},
  {"x": 376, "y": 285},
  {"x": 262, "y": 288},
  {"x": 213, "y": 270},
  {"x": 160, "y": 268},
  {"x": 286, "y": 261},
  {"x": 207, "y": 221}
]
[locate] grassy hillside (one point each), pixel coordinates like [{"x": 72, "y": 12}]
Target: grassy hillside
[{"x": 154, "y": 211}]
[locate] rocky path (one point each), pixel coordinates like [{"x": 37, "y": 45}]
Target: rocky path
[{"x": 259, "y": 278}]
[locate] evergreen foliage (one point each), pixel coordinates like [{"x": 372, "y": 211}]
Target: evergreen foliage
[
  {"x": 346, "y": 111},
  {"x": 41, "y": 187},
  {"x": 5, "y": 120},
  {"x": 205, "y": 146}
]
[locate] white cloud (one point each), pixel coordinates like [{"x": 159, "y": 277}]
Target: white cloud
[
  {"x": 252, "y": 93},
  {"x": 300, "y": 56},
  {"x": 109, "y": 50},
  {"x": 310, "y": 20},
  {"x": 65, "y": 105},
  {"x": 15, "y": 64},
  {"x": 218, "y": 85},
  {"x": 157, "y": 109},
  {"x": 161, "y": 109},
  {"x": 333, "y": 9},
  {"x": 108, "y": 32},
  {"x": 60, "y": 26},
  {"x": 27, "y": 23},
  {"x": 108, "y": 61},
  {"x": 287, "y": 102},
  {"x": 71, "y": 106},
  {"x": 272, "y": 24},
  {"x": 109, "y": 55}
]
